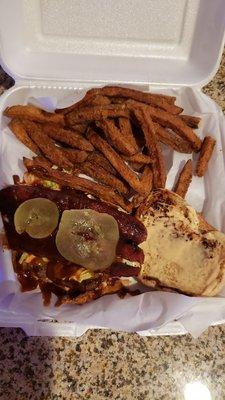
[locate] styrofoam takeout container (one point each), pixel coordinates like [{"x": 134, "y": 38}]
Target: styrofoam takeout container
[{"x": 58, "y": 47}]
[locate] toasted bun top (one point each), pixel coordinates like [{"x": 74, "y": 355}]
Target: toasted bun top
[{"x": 182, "y": 251}]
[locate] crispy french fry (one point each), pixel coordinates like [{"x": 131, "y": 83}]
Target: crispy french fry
[
  {"x": 47, "y": 145},
  {"x": 118, "y": 140},
  {"x": 208, "y": 145},
  {"x": 147, "y": 181},
  {"x": 95, "y": 113},
  {"x": 20, "y": 132},
  {"x": 184, "y": 180},
  {"x": 139, "y": 158},
  {"x": 170, "y": 121},
  {"x": 41, "y": 168},
  {"x": 127, "y": 132},
  {"x": 103, "y": 176},
  {"x": 75, "y": 156},
  {"x": 98, "y": 159},
  {"x": 191, "y": 121},
  {"x": 138, "y": 167},
  {"x": 33, "y": 114},
  {"x": 148, "y": 98},
  {"x": 116, "y": 161},
  {"x": 159, "y": 171},
  {"x": 80, "y": 128},
  {"x": 71, "y": 138},
  {"x": 172, "y": 140}
]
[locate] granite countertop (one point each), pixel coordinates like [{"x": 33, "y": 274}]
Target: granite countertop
[{"x": 119, "y": 366}]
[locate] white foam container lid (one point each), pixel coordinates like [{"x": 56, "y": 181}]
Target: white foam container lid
[
  {"x": 163, "y": 42},
  {"x": 70, "y": 44}
]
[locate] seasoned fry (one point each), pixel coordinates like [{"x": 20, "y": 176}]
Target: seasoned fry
[
  {"x": 148, "y": 98},
  {"x": 205, "y": 155},
  {"x": 103, "y": 176},
  {"x": 80, "y": 128},
  {"x": 71, "y": 138},
  {"x": 116, "y": 161},
  {"x": 98, "y": 159},
  {"x": 75, "y": 156},
  {"x": 159, "y": 170},
  {"x": 118, "y": 140},
  {"x": 95, "y": 113},
  {"x": 184, "y": 180},
  {"x": 33, "y": 114},
  {"x": 136, "y": 166},
  {"x": 147, "y": 181},
  {"x": 170, "y": 121},
  {"x": 171, "y": 139},
  {"x": 85, "y": 185},
  {"x": 127, "y": 132},
  {"x": 139, "y": 158},
  {"x": 191, "y": 121},
  {"x": 47, "y": 145},
  {"x": 20, "y": 132}
]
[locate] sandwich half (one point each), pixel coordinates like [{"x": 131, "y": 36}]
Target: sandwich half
[{"x": 182, "y": 251}]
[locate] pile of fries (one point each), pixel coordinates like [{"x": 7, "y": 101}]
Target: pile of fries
[{"x": 108, "y": 145}]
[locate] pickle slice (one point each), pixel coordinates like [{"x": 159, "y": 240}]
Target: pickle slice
[
  {"x": 88, "y": 238},
  {"x": 38, "y": 217}
]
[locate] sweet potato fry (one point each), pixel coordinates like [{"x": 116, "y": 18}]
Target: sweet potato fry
[
  {"x": 170, "y": 121},
  {"x": 80, "y": 128},
  {"x": 85, "y": 185},
  {"x": 136, "y": 166},
  {"x": 205, "y": 155},
  {"x": 139, "y": 158},
  {"x": 171, "y": 139},
  {"x": 191, "y": 121},
  {"x": 184, "y": 180},
  {"x": 47, "y": 145},
  {"x": 33, "y": 114},
  {"x": 147, "y": 181},
  {"x": 118, "y": 140},
  {"x": 103, "y": 176},
  {"x": 71, "y": 138},
  {"x": 127, "y": 132},
  {"x": 95, "y": 113},
  {"x": 148, "y": 98},
  {"x": 159, "y": 171},
  {"x": 117, "y": 162},
  {"x": 20, "y": 132},
  {"x": 75, "y": 156},
  {"x": 98, "y": 159}
]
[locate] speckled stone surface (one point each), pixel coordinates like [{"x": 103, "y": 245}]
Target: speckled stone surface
[{"x": 118, "y": 366}]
